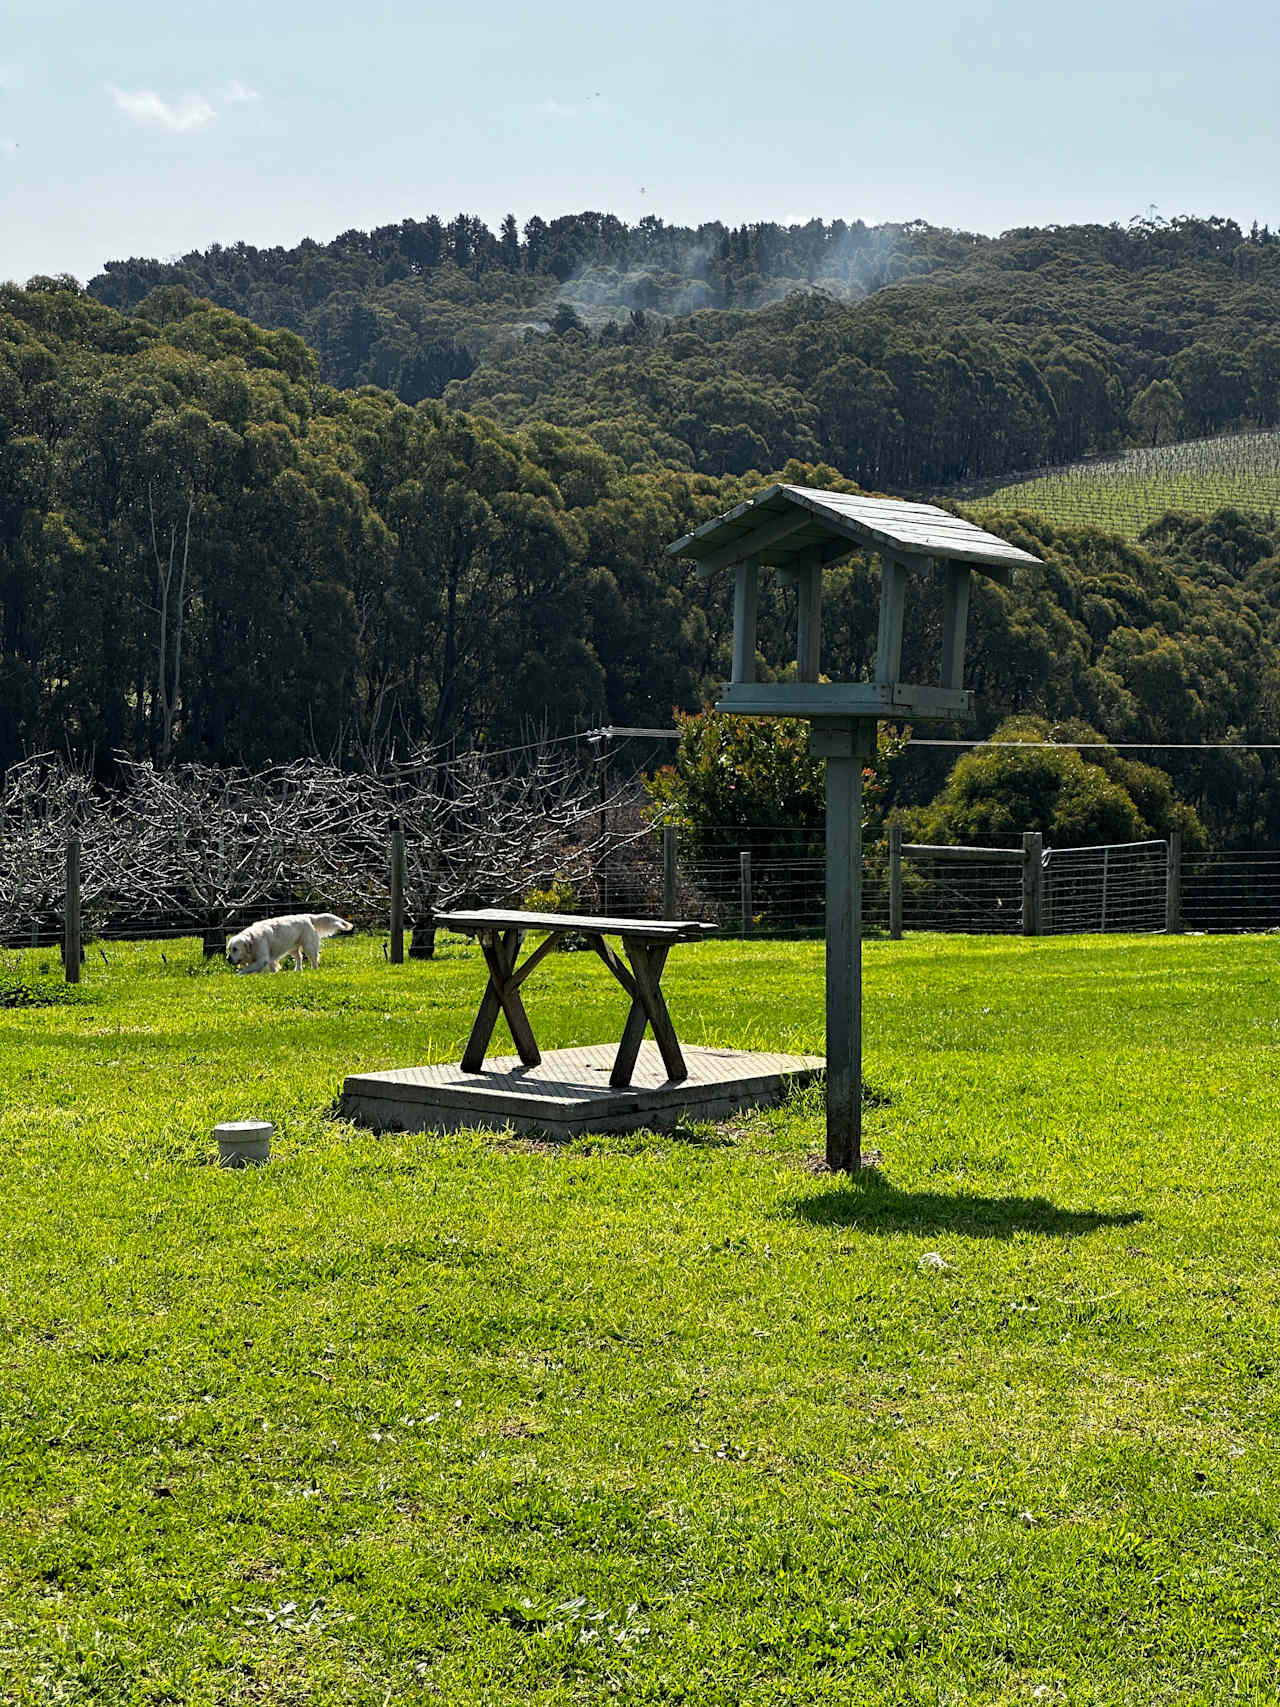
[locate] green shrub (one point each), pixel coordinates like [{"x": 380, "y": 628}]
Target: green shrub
[{"x": 559, "y": 896}]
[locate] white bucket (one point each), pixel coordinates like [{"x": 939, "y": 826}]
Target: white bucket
[{"x": 243, "y": 1143}]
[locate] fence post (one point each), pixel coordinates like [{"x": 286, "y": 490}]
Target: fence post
[
  {"x": 744, "y": 880},
  {"x": 1032, "y": 883},
  {"x": 669, "y": 869},
  {"x": 1173, "y": 885},
  {"x": 397, "y": 892},
  {"x": 71, "y": 914},
  {"x": 895, "y": 882}
]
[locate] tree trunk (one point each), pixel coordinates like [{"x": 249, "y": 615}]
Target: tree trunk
[{"x": 422, "y": 941}]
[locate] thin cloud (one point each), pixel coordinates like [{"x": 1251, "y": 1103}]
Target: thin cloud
[
  {"x": 144, "y": 106},
  {"x": 587, "y": 107},
  {"x": 236, "y": 93}
]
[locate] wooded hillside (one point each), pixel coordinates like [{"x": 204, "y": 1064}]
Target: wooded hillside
[
  {"x": 908, "y": 357},
  {"x": 207, "y": 553}
]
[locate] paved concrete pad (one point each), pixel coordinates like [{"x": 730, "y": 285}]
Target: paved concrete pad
[{"x": 569, "y": 1093}]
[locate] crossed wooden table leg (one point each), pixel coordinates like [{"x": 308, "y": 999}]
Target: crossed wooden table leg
[
  {"x": 648, "y": 1007},
  {"x": 642, "y": 983},
  {"x": 502, "y": 995}
]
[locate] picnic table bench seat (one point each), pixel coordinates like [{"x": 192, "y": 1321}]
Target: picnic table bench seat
[{"x": 645, "y": 943}]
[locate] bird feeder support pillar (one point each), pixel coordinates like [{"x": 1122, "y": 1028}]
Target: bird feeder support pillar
[
  {"x": 809, "y": 621},
  {"x": 893, "y": 603},
  {"x": 955, "y": 616},
  {"x": 746, "y": 587},
  {"x": 797, "y": 532}
]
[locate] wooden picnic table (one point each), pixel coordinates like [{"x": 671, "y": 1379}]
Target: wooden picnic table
[{"x": 645, "y": 942}]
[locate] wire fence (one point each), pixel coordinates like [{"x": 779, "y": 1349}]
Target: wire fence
[
  {"x": 982, "y": 895},
  {"x": 1232, "y": 891},
  {"x": 132, "y": 926},
  {"x": 774, "y": 882},
  {"x": 771, "y": 882}
]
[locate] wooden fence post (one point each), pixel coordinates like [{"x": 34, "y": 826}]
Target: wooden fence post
[
  {"x": 1032, "y": 883},
  {"x": 744, "y": 884},
  {"x": 895, "y": 882},
  {"x": 397, "y": 892},
  {"x": 71, "y": 914},
  {"x": 1173, "y": 885},
  {"x": 669, "y": 871}
]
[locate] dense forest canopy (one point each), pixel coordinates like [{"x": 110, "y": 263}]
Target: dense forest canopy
[
  {"x": 210, "y": 552},
  {"x": 908, "y": 357},
  {"x": 414, "y": 305}
]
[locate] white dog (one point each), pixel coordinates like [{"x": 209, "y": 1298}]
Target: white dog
[{"x": 261, "y": 947}]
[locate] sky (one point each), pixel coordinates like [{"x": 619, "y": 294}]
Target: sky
[{"x": 150, "y": 129}]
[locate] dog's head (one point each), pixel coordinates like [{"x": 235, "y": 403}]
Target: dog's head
[{"x": 237, "y": 951}]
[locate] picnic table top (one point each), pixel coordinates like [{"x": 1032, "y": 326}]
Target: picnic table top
[{"x": 512, "y": 918}]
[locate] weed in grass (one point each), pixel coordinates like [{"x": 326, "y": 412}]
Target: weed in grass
[{"x": 24, "y": 989}]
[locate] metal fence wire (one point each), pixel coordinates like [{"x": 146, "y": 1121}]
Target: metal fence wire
[
  {"x": 943, "y": 893},
  {"x": 1231, "y": 891},
  {"x": 773, "y": 883}
]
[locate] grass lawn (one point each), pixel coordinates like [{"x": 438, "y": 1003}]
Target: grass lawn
[{"x": 649, "y": 1418}]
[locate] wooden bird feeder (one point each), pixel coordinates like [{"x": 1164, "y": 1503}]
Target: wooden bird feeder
[{"x": 798, "y": 531}]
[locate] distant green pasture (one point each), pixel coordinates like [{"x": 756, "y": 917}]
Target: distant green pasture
[
  {"x": 650, "y": 1418},
  {"x": 1125, "y": 494}
]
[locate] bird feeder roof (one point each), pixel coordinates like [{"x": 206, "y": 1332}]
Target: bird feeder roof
[{"x": 785, "y": 523}]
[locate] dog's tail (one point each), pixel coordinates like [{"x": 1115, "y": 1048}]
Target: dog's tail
[{"x": 329, "y": 924}]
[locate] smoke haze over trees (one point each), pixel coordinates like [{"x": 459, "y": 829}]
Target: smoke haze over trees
[{"x": 906, "y": 356}]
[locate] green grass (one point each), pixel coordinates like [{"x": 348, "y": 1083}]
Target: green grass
[
  {"x": 469, "y": 1419},
  {"x": 1125, "y": 494}
]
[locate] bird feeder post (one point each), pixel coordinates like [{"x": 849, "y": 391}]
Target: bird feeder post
[
  {"x": 798, "y": 531},
  {"x": 846, "y": 747}
]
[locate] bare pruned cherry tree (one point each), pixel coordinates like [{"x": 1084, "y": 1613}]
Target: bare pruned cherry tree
[
  {"x": 482, "y": 830},
  {"x": 44, "y": 803},
  {"x": 204, "y": 849},
  {"x": 216, "y": 847}
]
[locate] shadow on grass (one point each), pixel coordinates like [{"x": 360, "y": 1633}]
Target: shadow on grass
[{"x": 872, "y": 1205}]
